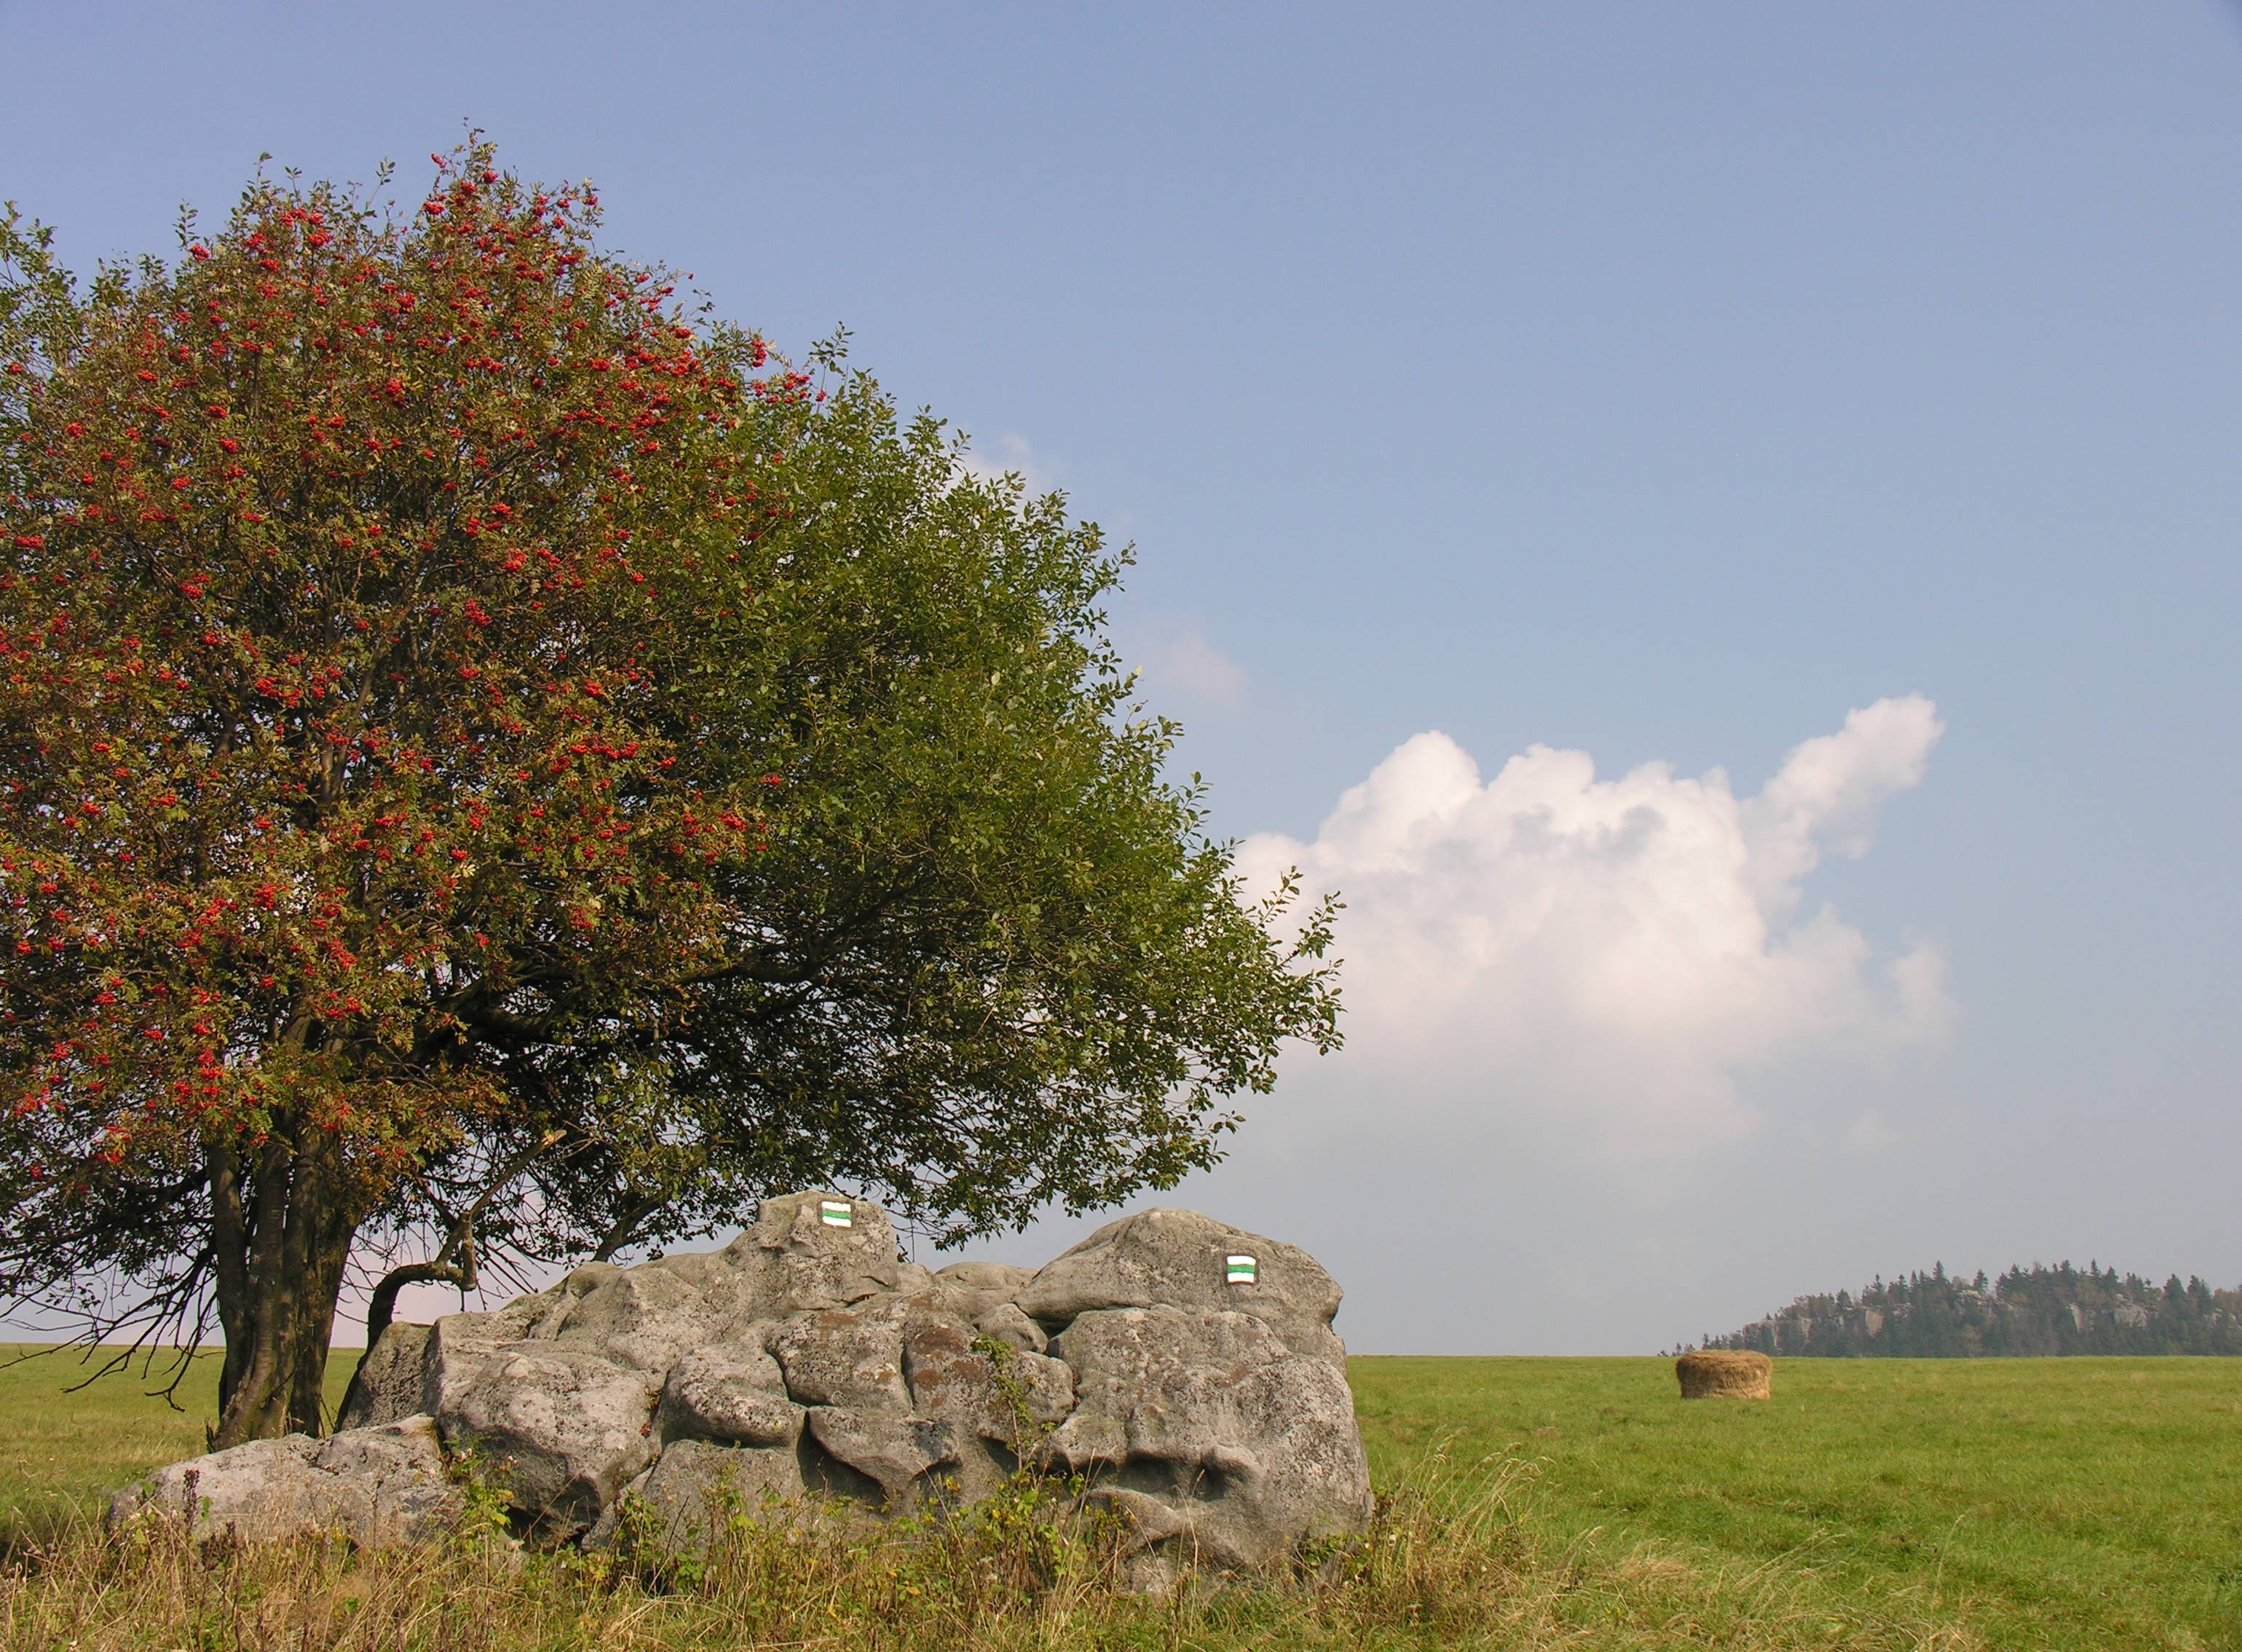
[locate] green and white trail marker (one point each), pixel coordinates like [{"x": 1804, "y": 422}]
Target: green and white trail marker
[
  {"x": 1241, "y": 1270},
  {"x": 834, "y": 1212}
]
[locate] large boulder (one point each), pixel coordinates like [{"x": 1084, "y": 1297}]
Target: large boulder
[
  {"x": 798, "y": 1257},
  {"x": 851, "y": 1357},
  {"x": 386, "y": 1385},
  {"x": 561, "y": 1428},
  {"x": 1247, "y": 1446},
  {"x": 732, "y": 1395},
  {"x": 377, "y": 1487},
  {"x": 1179, "y": 1259},
  {"x": 697, "y": 1486},
  {"x": 1186, "y": 1369},
  {"x": 998, "y": 1402}
]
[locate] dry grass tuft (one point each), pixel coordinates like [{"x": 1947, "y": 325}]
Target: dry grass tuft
[{"x": 1448, "y": 1564}]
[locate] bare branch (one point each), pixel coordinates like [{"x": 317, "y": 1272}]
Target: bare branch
[{"x": 441, "y": 1269}]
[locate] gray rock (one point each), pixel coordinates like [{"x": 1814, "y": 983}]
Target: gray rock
[
  {"x": 560, "y": 1429},
  {"x": 998, "y": 1403},
  {"x": 971, "y": 1289},
  {"x": 379, "y": 1487},
  {"x": 895, "y": 1454},
  {"x": 1000, "y": 1280},
  {"x": 1252, "y": 1448},
  {"x": 1178, "y": 1258},
  {"x": 1005, "y": 1323},
  {"x": 849, "y": 1356},
  {"x": 697, "y": 1487},
  {"x": 952, "y": 1378},
  {"x": 804, "y": 1366},
  {"x": 734, "y": 1395},
  {"x": 459, "y": 1345},
  {"x": 795, "y": 1262},
  {"x": 387, "y": 1383},
  {"x": 648, "y": 1316}
]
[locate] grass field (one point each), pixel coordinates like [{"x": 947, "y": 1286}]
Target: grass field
[
  {"x": 2061, "y": 1503},
  {"x": 1536, "y": 1503}
]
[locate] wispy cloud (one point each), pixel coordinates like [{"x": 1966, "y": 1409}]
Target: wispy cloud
[
  {"x": 1176, "y": 657},
  {"x": 1871, "y": 1133},
  {"x": 1012, "y": 455}
]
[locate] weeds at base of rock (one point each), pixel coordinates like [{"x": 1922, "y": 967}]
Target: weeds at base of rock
[
  {"x": 1036, "y": 1538},
  {"x": 1449, "y": 1562},
  {"x": 485, "y": 1516}
]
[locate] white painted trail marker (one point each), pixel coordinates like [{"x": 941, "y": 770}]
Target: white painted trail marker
[
  {"x": 834, "y": 1212},
  {"x": 1241, "y": 1270}
]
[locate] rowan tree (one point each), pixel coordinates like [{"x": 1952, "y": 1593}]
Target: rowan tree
[{"x": 498, "y": 765}]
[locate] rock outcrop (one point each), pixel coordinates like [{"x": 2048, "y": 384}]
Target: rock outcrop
[{"x": 1187, "y": 1369}]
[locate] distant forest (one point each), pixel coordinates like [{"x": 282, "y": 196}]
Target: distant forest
[{"x": 2037, "y": 1311}]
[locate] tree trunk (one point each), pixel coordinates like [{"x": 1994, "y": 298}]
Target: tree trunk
[{"x": 282, "y": 1236}]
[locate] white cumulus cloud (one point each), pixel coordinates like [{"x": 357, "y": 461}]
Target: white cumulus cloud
[{"x": 1550, "y": 945}]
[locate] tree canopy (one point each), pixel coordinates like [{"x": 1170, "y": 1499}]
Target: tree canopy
[{"x": 497, "y": 764}]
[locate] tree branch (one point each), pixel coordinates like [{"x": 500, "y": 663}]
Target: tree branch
[
  {"x": 441, "y": 1269},
  {"x": 627, "y": 1225}
]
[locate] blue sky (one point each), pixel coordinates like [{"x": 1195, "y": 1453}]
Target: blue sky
[{"x": 1660, "y": 384}]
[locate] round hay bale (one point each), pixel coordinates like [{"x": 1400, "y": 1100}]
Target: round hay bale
[{"x": 1720, "y": 1373}]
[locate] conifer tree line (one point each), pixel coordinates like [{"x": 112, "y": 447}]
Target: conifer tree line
[{"x": 2035, "y": 1311}]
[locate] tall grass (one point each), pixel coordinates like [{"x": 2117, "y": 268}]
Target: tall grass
[{"x": 1449, "y": 1562}]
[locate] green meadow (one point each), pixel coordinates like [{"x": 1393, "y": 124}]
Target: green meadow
[
  {"x": 2076, "y": 1502},
  {"x": 1529, "y": 1503}
]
